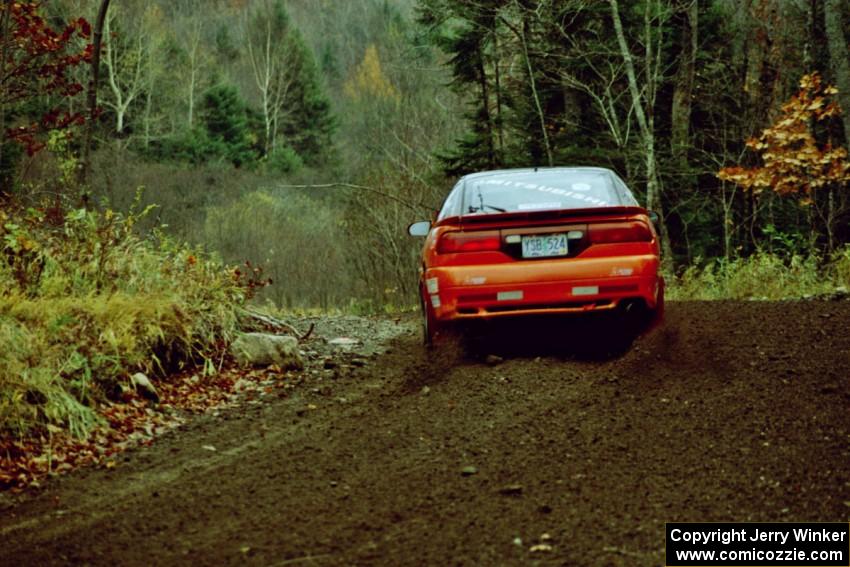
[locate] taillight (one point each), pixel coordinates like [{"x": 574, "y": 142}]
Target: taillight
[
  {"x": 613, "y": 232},
  {"x": 452, "y": 242}
]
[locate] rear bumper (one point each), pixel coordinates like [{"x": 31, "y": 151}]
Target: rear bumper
[{"x": 572, "y": 285}]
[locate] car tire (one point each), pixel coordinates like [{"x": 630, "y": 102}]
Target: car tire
[
  {"x": 430, "y": 324},
  {"x": 657, "y": 315}
]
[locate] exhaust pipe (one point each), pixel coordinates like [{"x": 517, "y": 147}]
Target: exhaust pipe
[{"x": 632, "y": 305}]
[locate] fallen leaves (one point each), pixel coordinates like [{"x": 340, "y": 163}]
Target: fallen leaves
[{"x": 132, "y": 422}]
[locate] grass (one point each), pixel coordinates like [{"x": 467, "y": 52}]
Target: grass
[
  {"x": 86, "y": 303},
  {"x": 763, "y": 276}
]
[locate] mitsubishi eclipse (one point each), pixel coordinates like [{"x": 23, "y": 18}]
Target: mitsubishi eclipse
[{"x": 519, "y": 242}]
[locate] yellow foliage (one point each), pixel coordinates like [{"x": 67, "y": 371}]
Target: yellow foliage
[
  {"x": 793, "y": 162},
  {"x": 368, "y": 80}
]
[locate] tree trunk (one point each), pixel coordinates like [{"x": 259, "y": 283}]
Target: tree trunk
[
  {"x": 683, "y": 90},
  {"x": 148, "y": 109},
  {"x": 92, "y": 92},
  {"x": 549, "y": 158},
  {"x": 839, "y": 59},
  {"x": 191, "y": 118},
  {"x": 119, "y": 119},
  {"x": 485, "y": 107},
  {"x": 653, "y": 189},
  {"x": 497, "y": 86},
  {"x": 647, "y": 136},
  {"x": 4, "y": 22},
  {"x": 521, "y": 33},
  {"x": 830, "y": 220},
  {"x": 193, "y": 71}
]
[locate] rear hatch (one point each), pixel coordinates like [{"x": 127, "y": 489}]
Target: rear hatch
[{"x": 536, "y": 235}]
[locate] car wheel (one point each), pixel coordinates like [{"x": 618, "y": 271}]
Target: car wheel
[
  {"x": 657, "y": 315},
  {"x": 429, "y": 323}
]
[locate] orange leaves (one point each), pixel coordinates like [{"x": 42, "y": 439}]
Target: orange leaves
[{"x": 793, "y": 163}]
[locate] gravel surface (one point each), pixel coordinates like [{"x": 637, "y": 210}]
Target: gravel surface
[{"x": 531, "y": 446}]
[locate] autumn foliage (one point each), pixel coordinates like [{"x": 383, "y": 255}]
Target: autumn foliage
[
  {"x": 36, "y": 62},
  {"x": 793, "y": 162},
  {"x": 368, "y": 81}
]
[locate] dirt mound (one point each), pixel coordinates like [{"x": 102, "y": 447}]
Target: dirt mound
[{"x": 551, "y": 452}]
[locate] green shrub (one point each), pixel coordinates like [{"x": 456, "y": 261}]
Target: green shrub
[
  {"x": 284, "y": 160},
  {"x": 762, "y": 276},
  {"x": 293, "y": 236},
  {"x": 839, "y": 267},
  {"x": 194, "y": 146},
  {"x": 85, "y": 305}
]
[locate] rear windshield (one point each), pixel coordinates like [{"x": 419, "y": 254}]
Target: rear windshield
[{"x": 537, "y": 190}]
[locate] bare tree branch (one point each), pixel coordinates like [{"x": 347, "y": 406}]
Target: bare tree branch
[{"x": 417, "y": 207}]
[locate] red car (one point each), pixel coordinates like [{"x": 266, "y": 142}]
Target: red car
[{"x": 519, "y": 242}]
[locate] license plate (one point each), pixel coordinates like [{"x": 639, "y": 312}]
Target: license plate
[{"x": 544, "y": 246}]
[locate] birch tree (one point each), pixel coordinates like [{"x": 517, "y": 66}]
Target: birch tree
[
  {"x": 269, "y": 53},
  {"x": 194, "y": 60},
  {"x": 643, "y": 101},
  {"x": 595, "y": 70},
  {"x": 126, "y": 53}
]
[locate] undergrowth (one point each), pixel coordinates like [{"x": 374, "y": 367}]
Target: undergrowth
[
  {"x": 763, "y": 276},
  {"x": 85, "y": 302}
]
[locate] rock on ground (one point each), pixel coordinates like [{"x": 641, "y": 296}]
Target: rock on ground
[
  {"x": 260, "y": 349},
  {"x": 143, "y": 385}
]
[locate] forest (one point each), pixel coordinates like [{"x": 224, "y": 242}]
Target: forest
[{"x": 335, "y": 124}]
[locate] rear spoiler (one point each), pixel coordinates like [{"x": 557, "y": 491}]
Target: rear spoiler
[{"x": 544, "y": 215}]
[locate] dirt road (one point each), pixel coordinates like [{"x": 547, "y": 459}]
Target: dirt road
[{"x": 731, "y": 411}]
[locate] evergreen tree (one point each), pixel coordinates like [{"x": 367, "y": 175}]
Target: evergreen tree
[
  {"x": 311, "y": 128},
  {"x": 465, "y": 31},
  {"x": 226, "y": 124},
  {"x": 506, "y": 58}
]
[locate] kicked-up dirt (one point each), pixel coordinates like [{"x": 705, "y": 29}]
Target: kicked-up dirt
[{"x": 553, "y": 451}]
